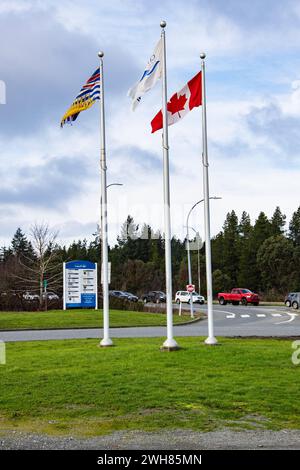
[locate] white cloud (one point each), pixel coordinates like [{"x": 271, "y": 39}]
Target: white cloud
[{"x": 250, "y": 166}]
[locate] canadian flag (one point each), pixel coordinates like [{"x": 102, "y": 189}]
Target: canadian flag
[{"x": 181, "y": 103}]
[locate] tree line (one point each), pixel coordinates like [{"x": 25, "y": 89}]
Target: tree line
[{"x": 263, "y": 256}]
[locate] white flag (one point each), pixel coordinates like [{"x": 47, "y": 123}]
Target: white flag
[{"x": 150, "y": 76}]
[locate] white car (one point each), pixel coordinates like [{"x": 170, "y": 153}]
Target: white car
[
  {"x": 30, "y": 296},
  {"x": 185, "y": 296}
]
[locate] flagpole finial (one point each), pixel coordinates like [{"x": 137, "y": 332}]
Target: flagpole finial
[
  {"x": 202, "y": 55},
  {"x": 163, "y": 24},
  {"x": 100, "y": 54}
]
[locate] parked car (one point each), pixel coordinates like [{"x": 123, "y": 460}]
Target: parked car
[
  {"x": 155, "y": 296},
  {"x": 30, "y": 296},
  {"x": 237, "y": 295},
  {"x": 118, "y": 293},
  {"x": 51, "y": 296},
  {"x": 292, "y": 300},
  {"x": 185, "y": 296},
  {"x": 131, "y": 297}
]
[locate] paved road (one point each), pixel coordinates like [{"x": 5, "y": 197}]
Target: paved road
[{"x": 229, "y": 321}]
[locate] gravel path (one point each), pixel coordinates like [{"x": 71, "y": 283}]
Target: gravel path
[{"x": 164, "y": 440}]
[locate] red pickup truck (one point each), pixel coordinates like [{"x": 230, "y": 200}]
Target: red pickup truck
[{"x": 237, "y": 295}]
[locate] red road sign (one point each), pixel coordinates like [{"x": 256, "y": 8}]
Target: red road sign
[{"x": 190, "y": 288}]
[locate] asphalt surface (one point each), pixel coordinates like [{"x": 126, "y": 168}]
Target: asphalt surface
[{"x": 229, "y": 321}]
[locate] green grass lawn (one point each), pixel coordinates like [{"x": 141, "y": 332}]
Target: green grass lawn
[
  {"x": 81, "y": 319},
  {"x": 75, "y": 388}
]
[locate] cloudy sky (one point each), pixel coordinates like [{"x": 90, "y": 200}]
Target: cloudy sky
[{"x": 49, "y": 48}]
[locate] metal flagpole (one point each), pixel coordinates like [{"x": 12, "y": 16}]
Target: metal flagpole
[
  {"x": 106, "y": 341},
  {"x": 211, "y": 338},
  {"x": 170, "y": 344}
]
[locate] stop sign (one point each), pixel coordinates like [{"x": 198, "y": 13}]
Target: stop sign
[{"x": 190, "y": 288}]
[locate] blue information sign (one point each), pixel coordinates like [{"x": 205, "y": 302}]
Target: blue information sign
[{"x": 80, "y": 284}]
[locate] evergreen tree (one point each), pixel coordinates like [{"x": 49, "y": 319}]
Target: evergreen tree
[
  {"x": 295, "y": 282},
  {"x": 274, "y": 261},
  {"x": 294, "y": 227},
  {"x": 94, "y": 248},
  {"x": 217, "y": 252},
  {"x": 250, "y": 274},
  {"x": 221, "y": 282},
  {"x": 143, "y": 243},
  {"x": 262, "y": 229},
  {"x": 245, "y": 226},
  {"x": 5, "y": 253},
  {"x": 157, "y": 249},
  {"x": 245, "y": 230},
  {"x": 278, "y": 222},
  {"x": 78, "y": 250},
  {"x": 127, "y": 239},
  {"x": 129, "y": 230},
  {"x": 231, "y": 247},
  {"x": 21, "y": 247}
]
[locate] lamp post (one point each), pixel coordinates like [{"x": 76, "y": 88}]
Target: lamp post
[
  {"x": 108, "y": 186},
  {"x": 199, "y": 246},
  {"x": 188, "y": 249}
]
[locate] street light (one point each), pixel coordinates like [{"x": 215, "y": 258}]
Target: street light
[
  {"x": 188, "y": 249},
  {"x": 108, "y": 186},
  {"x": 199, "y": 246},
  {"x": 114, "y": 184}
]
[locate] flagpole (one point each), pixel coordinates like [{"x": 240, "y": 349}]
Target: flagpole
[
  {"x": 211, "y": 338},
  {"x": 170, "y": 344},
  {"x": 106, "y": 341}
]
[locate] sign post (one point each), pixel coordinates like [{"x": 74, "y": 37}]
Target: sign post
[
  {"x": 64, "y": 286},
  {"x": 80, "y": 285},
  {"x": 45, "y": 283},
  {"x": 190, "y": 288}
]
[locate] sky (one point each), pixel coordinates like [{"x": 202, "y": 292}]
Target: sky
[{"x": 49, "y": 49}]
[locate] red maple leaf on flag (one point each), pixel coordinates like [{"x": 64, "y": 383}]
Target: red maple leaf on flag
[{"x": 176, "y": 103}]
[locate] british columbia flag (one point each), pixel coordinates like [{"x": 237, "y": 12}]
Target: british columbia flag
[{"x": 89, "y": 93}]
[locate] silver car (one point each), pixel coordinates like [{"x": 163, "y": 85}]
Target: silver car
[{"x": 292, "y": 300}]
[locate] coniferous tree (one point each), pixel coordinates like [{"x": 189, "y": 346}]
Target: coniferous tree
[
  {"x": 245, "y": 230},
  {"x": 277, "y": 274},
  {"x": 294, "y": 227},
  {"x": 231, "y": 247},
  {"x": 245, "y": 227},
  {"x": 21, "y": 247},
  {"x": 217, "y": 252},
  {"x": 278, "y": 221},
  {"x": 261, "y": 231}
]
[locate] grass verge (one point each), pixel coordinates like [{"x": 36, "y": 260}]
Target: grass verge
[
  {"x": 74, "y": 388},
  {"x": 82, "y": 319}
]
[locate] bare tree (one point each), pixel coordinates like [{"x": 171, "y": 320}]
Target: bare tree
[
  {"x": 45, "y": 266},
  {"x": 43, "y": 242}
]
